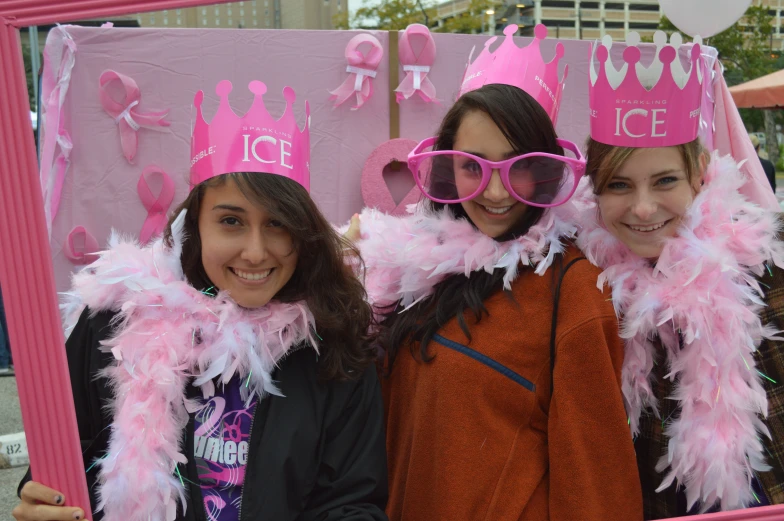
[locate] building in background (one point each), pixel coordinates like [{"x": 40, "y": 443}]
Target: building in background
[
  {"x": 587, "y": 20},
  {"x": 250, "y": 14}
]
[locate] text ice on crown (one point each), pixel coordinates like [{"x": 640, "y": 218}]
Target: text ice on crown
[
  {"x": 254, "y": 142},
  {"x": 654, "y": 106}
]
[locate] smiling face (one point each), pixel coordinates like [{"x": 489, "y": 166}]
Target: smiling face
[
  {"x": 494, "y": 211},
  {"x": 645, "y": 199},
  {"x": 244, "y": 250}
]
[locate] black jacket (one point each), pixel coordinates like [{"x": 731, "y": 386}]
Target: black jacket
[
  {"x": 770, "y": 173},
  {"x": 318, "y": 454}
]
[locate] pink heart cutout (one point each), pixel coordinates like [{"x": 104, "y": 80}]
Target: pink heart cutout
[
  {"x": 375, "y": 188},
  {"x": 398, "y": 179}
]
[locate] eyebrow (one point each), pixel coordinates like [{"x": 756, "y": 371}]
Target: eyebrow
[
  {"x": 657, "y": 174},
  {"x": 229, "y": 207}
]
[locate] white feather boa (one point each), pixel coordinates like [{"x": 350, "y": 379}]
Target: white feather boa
[
  {"x": 405, "y": 257},
  {"x": 168, "y": 332},
  {"x": 702, "y": 289}
]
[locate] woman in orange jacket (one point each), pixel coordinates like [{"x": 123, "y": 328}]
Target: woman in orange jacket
[{"x": 502, "y": 358}]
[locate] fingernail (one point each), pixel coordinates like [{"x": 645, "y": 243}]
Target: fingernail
[
  {"x": 77, "y": 515},
  {"x": 58, "y": 499}
]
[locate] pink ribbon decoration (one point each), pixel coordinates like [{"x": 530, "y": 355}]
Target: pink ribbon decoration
[
  {"x": 56, "y": 78},
  {"x": 156, "y": 206},
  {"x": 83, "y": 253},
  {"x": 416, "y": 66},
  {"x": 708, "y": 107},
  {"x": 125, "y": 113},
  {"x": 61, "y": 165},
  {"x": 361, "y": 69}
]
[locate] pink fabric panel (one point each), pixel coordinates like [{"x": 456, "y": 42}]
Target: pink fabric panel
[
  {"x": 419, "y": 119},
  {"x": 730, "y": 137},
  {"x": 170, "y": 65}
]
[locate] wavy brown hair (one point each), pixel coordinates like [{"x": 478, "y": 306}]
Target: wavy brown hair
[{"x": 322, "y": 278}]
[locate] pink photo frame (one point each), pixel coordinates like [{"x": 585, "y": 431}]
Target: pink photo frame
[
  {"x": 26, "y": 274},
  {"x": 771, "y": 513}
]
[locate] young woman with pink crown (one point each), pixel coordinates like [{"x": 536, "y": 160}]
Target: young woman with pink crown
[
  {"x": 225, "y": 372},
  {"x": 688, "y": 244},
  {"x": 501, "y": 357}
]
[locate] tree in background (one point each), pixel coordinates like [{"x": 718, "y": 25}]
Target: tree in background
[
  {"x": 29, "y": 73},
  {"x": 390, "y": 15},
  {"x": 746, "y": 52},
  {"x": 472, "y": 20},
  {"x": 396, "y": 15}
]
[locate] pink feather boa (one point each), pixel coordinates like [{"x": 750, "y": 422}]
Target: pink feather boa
[
  {"x": 405, "y": 257},
  {"x": 704, "y": 286},
  {"x": 169, "y": 332}
]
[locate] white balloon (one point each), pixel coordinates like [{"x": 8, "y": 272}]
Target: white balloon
[{"x": 704, "y": 17}]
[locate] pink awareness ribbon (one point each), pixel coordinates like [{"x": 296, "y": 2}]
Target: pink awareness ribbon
[
  {"x": 361, "y": 69},
  {"x": 82, "y": 252},
  {"x": 126, "y": 113},
  {"x": 156, "y": 207},
  {"x": 416, "y": 66}
]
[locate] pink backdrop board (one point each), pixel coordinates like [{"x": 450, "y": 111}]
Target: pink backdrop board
[
  {"x": 170, "y": 65},
  {"x": 26, "y": 274}
]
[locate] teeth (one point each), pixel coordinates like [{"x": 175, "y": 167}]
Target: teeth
[
  {"x": 647, "y": 228},
  {"x": 252, "y": 276},
  {"x": 497, "y": 211}
]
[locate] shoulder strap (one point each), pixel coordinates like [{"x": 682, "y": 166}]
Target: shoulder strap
[{"x": 554, "y": 322}]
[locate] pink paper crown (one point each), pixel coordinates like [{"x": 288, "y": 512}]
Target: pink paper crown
[
  {"x": 657, "y": 106},
  {"x": 255, "y": 142},
  {"x": 523, "y": 68}
]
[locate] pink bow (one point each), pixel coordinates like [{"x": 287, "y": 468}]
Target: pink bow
[
  {"x": 361, "y": 69},
  {"x": 416, "y": 67},
  {"x": 85, "y": 251},
  {"x": 156, "y": 206},
  {"x": 125, "y": 113}
]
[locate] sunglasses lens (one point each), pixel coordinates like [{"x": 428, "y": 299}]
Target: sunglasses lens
[
  {"x": 542, "y": 180},
  {"x": 450, "y": 177}
]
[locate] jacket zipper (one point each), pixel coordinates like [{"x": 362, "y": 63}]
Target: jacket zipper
[
  {"x": 247, "y": 460},
  {"x": 486, "y": 360},
  {"x": 189, "y": 469},
  {"x": 192, "y": 457},
  {"x": 200, "y": 497}
]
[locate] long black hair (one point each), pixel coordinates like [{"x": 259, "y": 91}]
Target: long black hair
[{"x": 527, "y": 127}]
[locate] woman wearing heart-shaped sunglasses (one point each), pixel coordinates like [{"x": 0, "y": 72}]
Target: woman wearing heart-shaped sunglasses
[{"x": 501, "y": 357}]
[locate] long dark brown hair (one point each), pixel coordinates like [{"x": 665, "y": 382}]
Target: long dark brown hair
[
  {"x": 527, "y": 127},
  {"x": 322, "y": 279}
]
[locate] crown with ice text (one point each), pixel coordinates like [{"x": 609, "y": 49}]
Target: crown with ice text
[
  {"x": 654, "y": 106},
  {"x": 255, "y": 142}
]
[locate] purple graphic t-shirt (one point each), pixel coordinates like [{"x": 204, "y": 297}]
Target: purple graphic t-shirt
[{"x": 221, "y": 450}]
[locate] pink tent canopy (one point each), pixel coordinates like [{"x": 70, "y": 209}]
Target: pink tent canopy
[{"x": 766, "y": 92}]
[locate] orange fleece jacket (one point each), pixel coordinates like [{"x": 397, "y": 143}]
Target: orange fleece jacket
[{"x": 474, "y": 438}]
